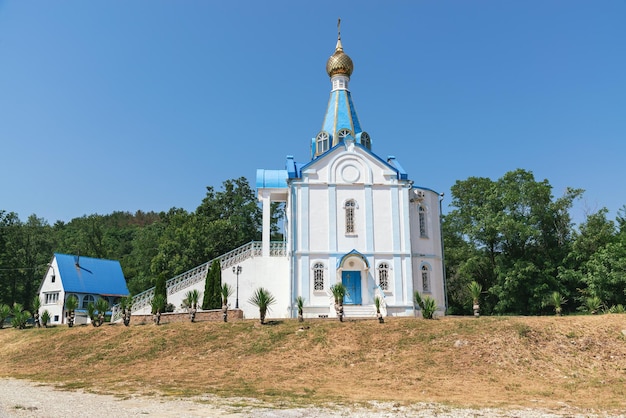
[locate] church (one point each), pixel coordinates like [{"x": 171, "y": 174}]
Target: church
[{"x": 351, "y": 217}]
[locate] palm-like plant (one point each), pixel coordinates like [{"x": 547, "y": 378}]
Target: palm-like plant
[
  {"x": 475, "y": 290},
  {"x": 91, "y": 313},
  {"x": 126, "y": 304},
  {"x": 5, "y": 311},
  {"x": 262, "y": 299},
  {"x": 593, "y": 304},
  {"x": 427, "y": 304},
  {"x": 71, "y": 304},
  {"x": 557, "y": 301},
  {"x": 20, "y": 316},
  {"x": 300, "y": 304},
  {"x": 191, "y": 300},
  {"x": 158, "y": 305},
  {"x": 45, "y": 318},
  {"x": 377, "y": 303},
  {"x": 339, "y": 291},
  {"x": 225, "y": 291},
  {"x": 102, "y": 306},
  {"x": 36, "y": 307}
]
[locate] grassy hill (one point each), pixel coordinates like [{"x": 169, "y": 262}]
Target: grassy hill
[{"x": 490, "y": 361}]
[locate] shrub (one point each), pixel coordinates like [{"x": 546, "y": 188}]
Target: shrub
[{"x": 428, "y": 305}]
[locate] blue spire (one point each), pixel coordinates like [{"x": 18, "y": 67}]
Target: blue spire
[{"x": 341, "y": 120}]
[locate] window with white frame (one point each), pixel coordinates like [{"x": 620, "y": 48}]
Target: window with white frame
[
  {"x": 350, "y": 206},
  {"x": 422, "y": 220},
  {"x": 343, "y": 133},
  {"x": 87, "y": 299},
  {"x": 365, "y": 140},
  {"x": 322, "y": 142},
  {"x": 52, "y": 298},
  {"x": 318, "y": 276},
  {"x": 383, "y": 276},
  {"x": 425, "y": 279}
]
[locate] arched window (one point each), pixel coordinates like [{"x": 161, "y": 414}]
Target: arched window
[
  {"x": 383, "y": 276},
  {"x": 343, "y": 133},
  {"x": 422, "y": 220},
  {"x": 349, "y": 207},
  {"x": 87, "y": 299},
  {"x": 322, "y": 142},
  {"x": 425, "y": 279},
  {"x": 318, "y": 276},
  {"x": 365, "y": 140}
]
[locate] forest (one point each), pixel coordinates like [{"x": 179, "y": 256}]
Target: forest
[{"x": 510, "y": 235}]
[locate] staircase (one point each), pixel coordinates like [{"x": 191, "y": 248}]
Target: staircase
[
  {"x": 198, "y": 274},
  {"x": 359, "y": 311}
]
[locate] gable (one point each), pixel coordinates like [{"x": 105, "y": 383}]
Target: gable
[
  {"x": 91, "y": 275},
  {"x": 350, "y": 163}
]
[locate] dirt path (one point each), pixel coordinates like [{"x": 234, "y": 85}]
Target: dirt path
[{"x": 20, "y": 398}]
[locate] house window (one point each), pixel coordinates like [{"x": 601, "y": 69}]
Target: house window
[
  {"x": 322, "y": 142},
  {"x": 53, "y": 278},
  {"x": 350, "y": 206},
  {"x": 422, "y": 220},
  {"x": 87, "y": 299},
  {"x": 383, "y": 276},
  {"x": 52, "y": 298},
  {"x": 318, "y": 276},
  {"x": 425, "y": 279}
]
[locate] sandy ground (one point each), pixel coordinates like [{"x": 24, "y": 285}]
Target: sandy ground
[{"x": 20, "y": 398}]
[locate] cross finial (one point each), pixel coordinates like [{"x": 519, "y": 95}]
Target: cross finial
[{"x": 339, "y": 28}]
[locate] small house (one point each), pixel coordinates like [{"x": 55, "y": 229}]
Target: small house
[{"x": 88, "y": 279}]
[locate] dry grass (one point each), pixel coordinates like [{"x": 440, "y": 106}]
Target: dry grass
[{"x": 491, "y": 361}]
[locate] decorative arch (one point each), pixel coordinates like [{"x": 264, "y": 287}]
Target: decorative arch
[{"x": 342, "y": 264}]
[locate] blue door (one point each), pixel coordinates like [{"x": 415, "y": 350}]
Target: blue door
[{"x": 352, "y": 281}]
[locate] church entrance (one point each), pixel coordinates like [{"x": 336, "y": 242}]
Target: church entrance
[{"x": 351, "y": 279}]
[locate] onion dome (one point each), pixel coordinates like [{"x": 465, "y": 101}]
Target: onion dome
[{"x": 339, "y": 63}]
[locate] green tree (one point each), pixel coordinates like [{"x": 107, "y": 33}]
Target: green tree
[
  {"x": 212, "y": 287},
  {"x": 339, "y": 291},
  {"x": 191, "y": 302},
  {"x": 519, "y": 235},
  {"x": 71, "y": 304},
  {"x": 5, "y": 311}
]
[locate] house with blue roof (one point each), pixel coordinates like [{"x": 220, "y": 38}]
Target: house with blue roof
[{"x": 86, "y": 278}]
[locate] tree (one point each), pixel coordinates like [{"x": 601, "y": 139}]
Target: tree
[
  {"x": 262, "y": 299},
  {"x": 518, "y": 236},
  {"x": 20, "y": 316},
  {"x": 158, "y": 305},
  {"x": 5, "y": 311},
  {"x": 557, "y": 301},
  {"x": 36, "y": 307},
  {"x": 126, "y": 305},
  {"x": 212, "y": 287},
  {"x": 300, "y": 306}
]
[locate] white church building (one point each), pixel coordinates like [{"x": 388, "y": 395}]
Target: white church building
[{"x": 351, "y": 216}]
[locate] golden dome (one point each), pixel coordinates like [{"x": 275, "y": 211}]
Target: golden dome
[{"x": 339, "y": 63}]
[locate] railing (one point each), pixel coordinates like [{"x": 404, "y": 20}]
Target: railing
[{"x": 197, "y": 274}]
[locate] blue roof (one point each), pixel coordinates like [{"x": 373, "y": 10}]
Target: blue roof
[
  {"x": 91, "y": 275},
  {"x": 273, "y": 179}
]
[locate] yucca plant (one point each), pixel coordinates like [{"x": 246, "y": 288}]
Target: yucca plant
[
  {"x": 339, "y": 291},
  {"x": 91, "y": 313},
  {"x": 158, "y": 305},
  {"x": 71, "y": 304},
  {"x": 377, "y": 303},
  {"x": 45, "y": 318},
  {"x": 5, "y": 311},
  {"x": 618, "y": 309},
  {"x": 191, "y": 300},
  {"x": 262, "y": 299},
  {"x": 225, "y": 291},
  {"x": 557, "y": 301},
  {"x": 20, "y": 316},
  {"x": 300, "y": 304},
  {"x": 126, "y": 305},
  {"x": 36, "y": 307},
  {"x": 102, "y": 306},
  {"x": 475, "y": 290},
  {"x": 593, "y": 304},
  {"x": 427, "y": 304}
]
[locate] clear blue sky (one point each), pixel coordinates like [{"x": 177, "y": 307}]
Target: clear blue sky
[{"x": 125, "y": 105}]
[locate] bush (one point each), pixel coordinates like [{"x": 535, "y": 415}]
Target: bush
[{"x": 428, "y": 305}]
